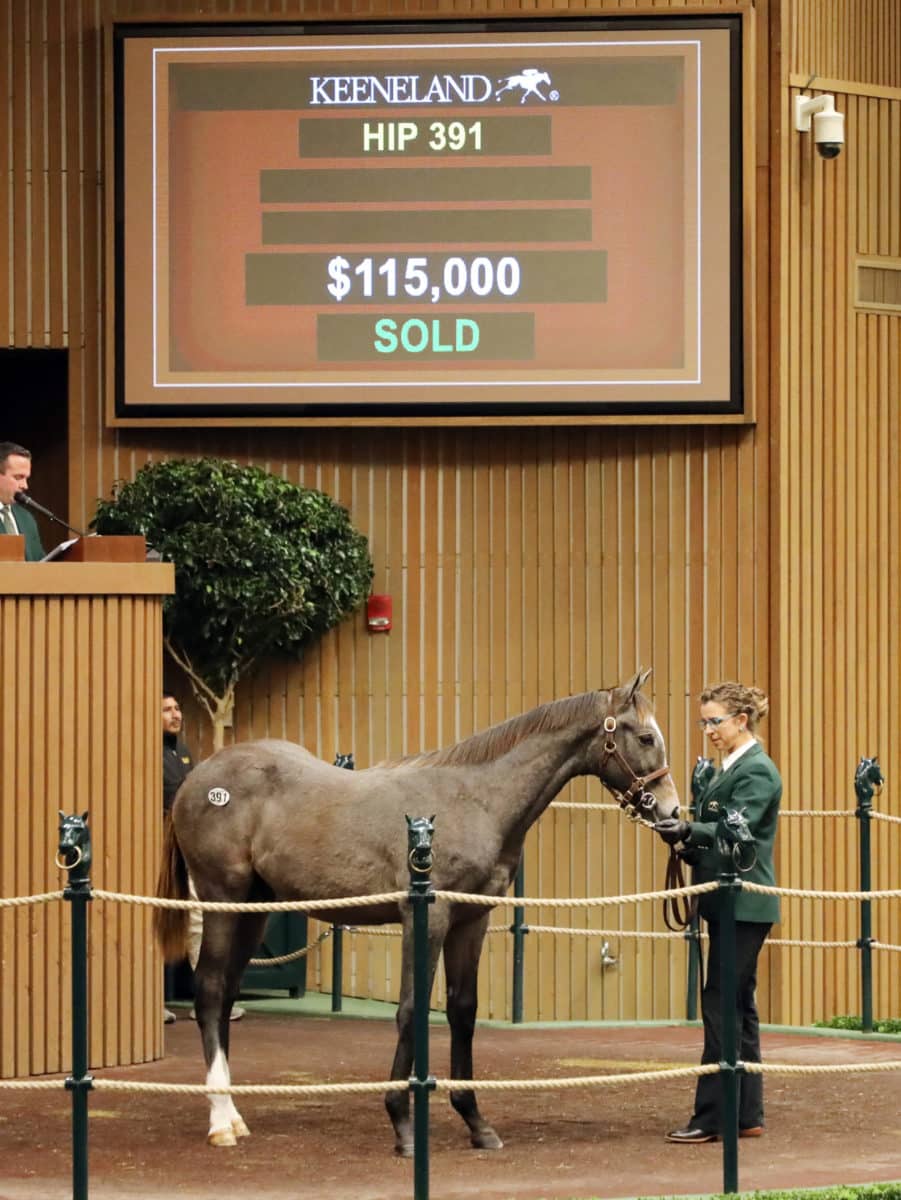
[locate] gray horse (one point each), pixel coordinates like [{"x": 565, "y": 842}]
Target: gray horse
[{"x": 267, "y": 820}]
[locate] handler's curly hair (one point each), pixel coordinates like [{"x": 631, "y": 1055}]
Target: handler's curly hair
[{"x": 739, "y": 699}]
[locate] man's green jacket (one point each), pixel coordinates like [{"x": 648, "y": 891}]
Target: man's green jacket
[
  {"x": 753, "y": 787},
  {"x": 34, "y": 551}
]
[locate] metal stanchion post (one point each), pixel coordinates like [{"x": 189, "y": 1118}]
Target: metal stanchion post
[
  {"x": 701, "y": 776},
  {"x": 519, "y": 929},
  {"x": 75, "y": 856},
  {"x": 733, "y": 838},
  {"x": 729, "y": 1063},
  {"x": 867, "y": 777},
  {"x": 419, "y": 839},
  {"x": 337, "y": 967}
]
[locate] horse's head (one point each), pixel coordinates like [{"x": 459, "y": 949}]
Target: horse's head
[
  {"x": 74, "y": 842},
  {"x": 630, "y": 753}
]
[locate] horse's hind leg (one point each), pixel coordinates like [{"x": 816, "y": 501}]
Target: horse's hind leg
[
  {"x": 462, "y": 948},
  {"x": 228, "y": 942}
]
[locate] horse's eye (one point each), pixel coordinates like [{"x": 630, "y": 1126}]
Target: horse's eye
[{"x": 646, "y": 739}]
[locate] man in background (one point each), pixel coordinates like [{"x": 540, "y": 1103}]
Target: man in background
[
  {"x": 178, "y": 763},
  {"x": 15, "y": 471}
]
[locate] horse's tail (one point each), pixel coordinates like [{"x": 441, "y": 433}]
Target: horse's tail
[{"x": 170, "y": 925}]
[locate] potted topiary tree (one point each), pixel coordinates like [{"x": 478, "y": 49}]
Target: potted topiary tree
[{"x": 263, "y": 567}]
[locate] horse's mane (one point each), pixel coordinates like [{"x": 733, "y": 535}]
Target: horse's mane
[{"x": 497, "y": 741}]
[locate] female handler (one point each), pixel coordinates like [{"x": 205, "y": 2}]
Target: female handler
[{"x": 748, "y": 782}]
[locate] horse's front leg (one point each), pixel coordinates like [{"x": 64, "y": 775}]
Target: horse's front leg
[
  {"x": 228, "y": 942},
  {"x": 397, "y": 1103},
  {"x": 462, "y": 949}
]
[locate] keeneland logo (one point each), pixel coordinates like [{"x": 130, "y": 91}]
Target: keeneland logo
[{"x": 337, "y": 90}]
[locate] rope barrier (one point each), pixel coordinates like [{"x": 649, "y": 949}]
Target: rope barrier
[
  {"x": 813, "y": 812},
  {"x": 808, "y": 894},
  {"x": 877, "y": 816},
  {"x": 696, "y": 889},
  {"x": 615, "y": 933},
  {"x": 281, "y": 959},
  {"x": 31, "y": 1085},
  {"x": 311, "y": 906},
  {"x": 825, "y": 1069},
  {"x": 19, "y": 901},
  {"x": 450, "y": 1085},
  {"x": 251, "y": 1089}
]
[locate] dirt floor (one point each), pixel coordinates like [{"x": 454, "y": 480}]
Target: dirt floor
[{"x": 604, "y": 1142}]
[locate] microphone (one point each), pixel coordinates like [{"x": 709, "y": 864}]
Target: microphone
[{"x": 24, "y": 499}]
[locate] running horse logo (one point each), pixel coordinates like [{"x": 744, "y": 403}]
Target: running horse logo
[{"x": 528, "y": 80}]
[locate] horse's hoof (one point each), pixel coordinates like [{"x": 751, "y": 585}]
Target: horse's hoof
[
  {"x": 487, "y": 1141},
  {"x": 239, "y": 1128},
  {"x": 404, "y": 1149},
  {"x": 222, "y": 1137}
]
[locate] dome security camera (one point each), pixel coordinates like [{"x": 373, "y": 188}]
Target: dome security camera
[{"x": 828, "y": 125}]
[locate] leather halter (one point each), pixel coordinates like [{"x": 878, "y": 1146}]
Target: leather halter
[{"x": 636, "y": 801}]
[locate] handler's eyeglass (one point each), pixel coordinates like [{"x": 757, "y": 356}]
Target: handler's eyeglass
[{"x": 714, "y": 722}]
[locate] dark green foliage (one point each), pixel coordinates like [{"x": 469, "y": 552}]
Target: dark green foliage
[
  {"x": 889, "y": 1025},
  {"x": 262, "y": 567},
  {"x": 870, "y": 1191}
]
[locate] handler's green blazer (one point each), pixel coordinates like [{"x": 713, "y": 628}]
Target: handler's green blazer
[
  {"x": 34, "y": 550},
  {"x": 754, "y": 787}
]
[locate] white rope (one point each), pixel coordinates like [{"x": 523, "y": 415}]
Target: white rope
[
  {"x": 804, "y": 942},
  {"x": 608, "y": 933},
  {"x": 31, "y": 1085},
  {"x": 272, "y": 906},
  {"x": 807, "y": 894},
  {"x": 19, "y": 901},
  {"x": 696, "y": 889},
  {"x": 251, "y": 1089},
  {"x": 586, "y": 807},
  {"x": 281, "y": 959},
  {"x": 886, "y": 817},
  {"x": 814, "y": 812},
  {"x": 829, "y": 1069}
]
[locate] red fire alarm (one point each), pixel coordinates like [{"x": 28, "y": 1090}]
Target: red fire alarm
[{"x": 378, "y": 614}]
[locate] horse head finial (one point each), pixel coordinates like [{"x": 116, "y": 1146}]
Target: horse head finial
[
  {"x": 419, "y": 842},
  {"x": 74, "y": 842},
  {"x": 867, "y": 778}
]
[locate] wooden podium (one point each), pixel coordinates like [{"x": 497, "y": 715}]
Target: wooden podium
[
  {"x": 82, "y": 649},
  {"x": 97, "y": 549},
  {"x": 12, "y": 547}
]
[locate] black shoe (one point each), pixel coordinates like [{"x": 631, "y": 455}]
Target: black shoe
[{"x": 691, "y": 1136}]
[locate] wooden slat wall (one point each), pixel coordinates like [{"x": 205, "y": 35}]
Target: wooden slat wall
[
  {"x": 526, "y": 565},
  {"x": 856, "y": 40},
  {"x": 80, "y": 707},
  {"x": 838, "y": 437}
]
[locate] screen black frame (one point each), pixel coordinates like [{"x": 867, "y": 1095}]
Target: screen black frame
[{"x": 735, "y": 406}]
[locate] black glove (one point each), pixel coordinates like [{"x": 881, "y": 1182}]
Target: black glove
[{"x": 672, "y": 830}]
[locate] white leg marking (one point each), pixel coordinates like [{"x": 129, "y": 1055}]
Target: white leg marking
[{"x": 225, "y": 1120}]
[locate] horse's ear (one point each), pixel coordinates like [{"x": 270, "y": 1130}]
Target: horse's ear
[
  {"x": 635, "y": 684},
  {"x": 62, "y": 814},
  {"x": 84, "y": 817}
]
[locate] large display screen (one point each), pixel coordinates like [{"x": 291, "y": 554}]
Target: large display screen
[{"x": 494, "y": 221}]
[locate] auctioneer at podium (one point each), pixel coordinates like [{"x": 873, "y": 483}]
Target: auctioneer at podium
[{"x": 15, "y": 519}]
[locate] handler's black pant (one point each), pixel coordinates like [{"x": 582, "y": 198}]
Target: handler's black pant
[{"x": 749, "y": 939}]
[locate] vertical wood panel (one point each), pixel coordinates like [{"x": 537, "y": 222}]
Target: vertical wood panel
[
  {"x": 79, "y": 731},
  {"x": 838, "y": 434}
]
